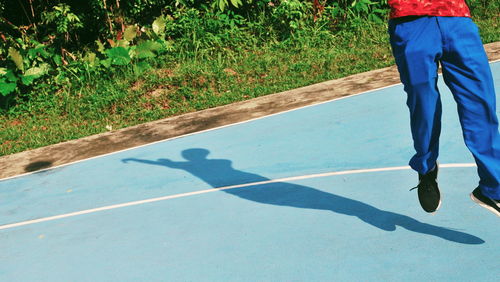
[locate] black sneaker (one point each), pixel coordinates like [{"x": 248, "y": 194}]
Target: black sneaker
[
  {"x": 485, "y": 202},
  {"x": 428, "y": 191}
]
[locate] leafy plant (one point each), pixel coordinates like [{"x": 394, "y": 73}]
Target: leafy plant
[
  {"x": 290, "y": 15},
  {"x": 29, "y": 65},
  {"x": 370, "y": 8},
  {"x": 62, "y": 20},
  {"x": 223, "y": 4}
]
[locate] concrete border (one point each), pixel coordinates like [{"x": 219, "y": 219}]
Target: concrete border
[{"x": 95, "y": 145}]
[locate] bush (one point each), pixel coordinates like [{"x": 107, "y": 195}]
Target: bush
[{"x": 68, "y": 41}]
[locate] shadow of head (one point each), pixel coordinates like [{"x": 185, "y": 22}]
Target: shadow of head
[
  {"x": 195, "y": 154},
  {"x": 35, "y": 166}
]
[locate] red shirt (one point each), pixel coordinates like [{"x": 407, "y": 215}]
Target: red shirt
[{"x": 441, "y": 8}]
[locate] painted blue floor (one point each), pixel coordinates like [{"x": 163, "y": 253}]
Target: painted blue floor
[{"x": 364, "y": 226}]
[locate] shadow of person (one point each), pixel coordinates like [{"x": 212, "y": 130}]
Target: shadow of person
[{"x": 220, "y": 173}]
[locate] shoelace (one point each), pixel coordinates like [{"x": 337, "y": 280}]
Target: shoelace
[{"x": 424, "y": 182}]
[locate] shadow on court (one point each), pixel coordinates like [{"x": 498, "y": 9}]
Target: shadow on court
[{"x": 220, "y": 173}]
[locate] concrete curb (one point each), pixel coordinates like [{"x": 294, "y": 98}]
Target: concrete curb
[{"x": 92, "y": 146}]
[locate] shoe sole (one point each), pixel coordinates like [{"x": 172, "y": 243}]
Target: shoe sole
[
  {"x": 488, "y": 207},
  {"x": 437, "y": 208},
  {"x": 437, "y": 185},
  {"x": 439, "y": 205}
]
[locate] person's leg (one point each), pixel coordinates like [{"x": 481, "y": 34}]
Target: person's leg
[
  {"x": 416, "y": 45},
  {"x": 467, "y": 73}
]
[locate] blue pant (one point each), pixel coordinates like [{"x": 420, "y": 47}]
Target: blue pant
[{"x": 419, "y": 44}]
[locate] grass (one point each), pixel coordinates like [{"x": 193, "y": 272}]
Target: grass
[{"x": 181, "y": 84}]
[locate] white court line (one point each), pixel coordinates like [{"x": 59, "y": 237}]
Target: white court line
[{"x": 158, "y": 199}]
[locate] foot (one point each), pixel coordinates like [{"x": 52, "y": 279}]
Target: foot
[
  {"x": 428, "y": 191},
  {"x": 485, "y": 202}
]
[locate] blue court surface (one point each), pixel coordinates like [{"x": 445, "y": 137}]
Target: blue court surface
[{"x": 319, "y": 193}]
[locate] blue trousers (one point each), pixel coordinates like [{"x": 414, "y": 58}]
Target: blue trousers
[{"x": 419, "y": 45}]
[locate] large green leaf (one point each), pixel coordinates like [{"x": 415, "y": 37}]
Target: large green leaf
[
  {"x": 33, "y": 73},
  {"x": 57, "y": 59},
  {"x": 7, "y": 87},
  {"x": 38, "y": 51},
  {"x": 11, "y": 76},
  {"x": 36, "y": 71},
  {"x": 140, "y": 67},
  {"x": 236, "y": 3},
  {"x": 159, "y": 26},
  {"x": 122, "y": 43},
  {"x": 130, "y": 33},
  {"x": 28, "y": 79},
  {"x": 147, "y": 49},
  {"x": 17, "y": 58},
  {"x": 118, "y": 56},
  {"x": 222, "y": 4}
]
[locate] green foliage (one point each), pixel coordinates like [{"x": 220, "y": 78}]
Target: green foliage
[
  {"x": 62, "y": 21},
  {"x": 17, "y": 58},
  {"x": 118, "y": 56},
  {"x": 28, "y": 62},
  {"x": 74, "y": 41},
  {"x": 223, "y": 4},
  {"x": 291, "y": 15},
  {"x": 8, "y": 81},
  {"x": 485, "y": 8},
  {"x": 147, "y": 49},
  {"x": 70, "y": 41},
  {"x": 26, "y": 65},
  {"x": 360, "y": 8}
]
